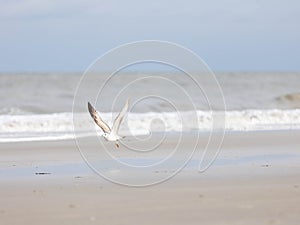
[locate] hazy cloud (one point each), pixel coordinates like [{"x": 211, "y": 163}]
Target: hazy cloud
[{"x": 225, "y": 31}]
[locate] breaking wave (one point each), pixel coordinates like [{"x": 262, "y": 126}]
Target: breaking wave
[{"x": 58, "y": 126}]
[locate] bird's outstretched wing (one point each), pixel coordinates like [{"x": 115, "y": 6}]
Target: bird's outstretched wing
[
  {"x": 97, "y": 119},
  {"x": 119, "y": 118}
]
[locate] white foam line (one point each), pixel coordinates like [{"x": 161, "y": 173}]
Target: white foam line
[{"x": 59, "y": 126}]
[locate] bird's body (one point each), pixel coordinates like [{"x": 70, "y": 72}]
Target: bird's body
[
  {"x": 111, "y": 137},
  {"x": 110, "y": 134}
]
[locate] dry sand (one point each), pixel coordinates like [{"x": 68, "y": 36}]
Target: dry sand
[{"x": 256, "y": 180}]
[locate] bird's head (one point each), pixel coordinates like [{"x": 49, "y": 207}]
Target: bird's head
[{"x": 105, "y": 135}]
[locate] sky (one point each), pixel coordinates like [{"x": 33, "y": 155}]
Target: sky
[{"x": 229, "y": 35}]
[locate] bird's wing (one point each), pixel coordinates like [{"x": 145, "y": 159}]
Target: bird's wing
[
  {"x": 97, "y": 119},
  {"x": 119, "y": 118}
]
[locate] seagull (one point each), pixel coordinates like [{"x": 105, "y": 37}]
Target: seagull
[{"x": 110, "y": 134}]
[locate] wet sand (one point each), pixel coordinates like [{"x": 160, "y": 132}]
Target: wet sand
[{"x": 255, "y": 180}]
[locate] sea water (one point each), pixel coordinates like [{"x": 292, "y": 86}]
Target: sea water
[{"x": 40, "y": 106}]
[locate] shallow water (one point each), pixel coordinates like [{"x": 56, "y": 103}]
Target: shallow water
[{"x": 79, "y": 170}]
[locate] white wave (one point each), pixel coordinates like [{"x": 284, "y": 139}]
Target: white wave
[
  {"x": 274, "y": 119},
  {"x": 60, "y": 125}
]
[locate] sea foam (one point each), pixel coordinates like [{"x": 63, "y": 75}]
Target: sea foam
[{"x": 58, "y": 126}]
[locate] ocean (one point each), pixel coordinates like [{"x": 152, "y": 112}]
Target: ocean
[{"x": 46, "y": 106}]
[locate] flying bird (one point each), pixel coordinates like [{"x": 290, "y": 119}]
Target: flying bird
[{"x": 110, "y": 134}]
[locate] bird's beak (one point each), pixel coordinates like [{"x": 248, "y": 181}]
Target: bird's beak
[{"x": 117, "y": 145}]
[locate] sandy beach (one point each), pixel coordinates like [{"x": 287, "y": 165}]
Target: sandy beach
[{"x": 255, "y": 180}]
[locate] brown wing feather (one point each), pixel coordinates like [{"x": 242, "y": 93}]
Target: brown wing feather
[{"x": 98, "y": 119}]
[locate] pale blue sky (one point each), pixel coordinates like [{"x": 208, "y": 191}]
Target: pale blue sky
[{"x": 230, "y": 35}]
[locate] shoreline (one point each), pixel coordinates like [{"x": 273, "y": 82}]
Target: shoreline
[{"x": 235, "y": 144}]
